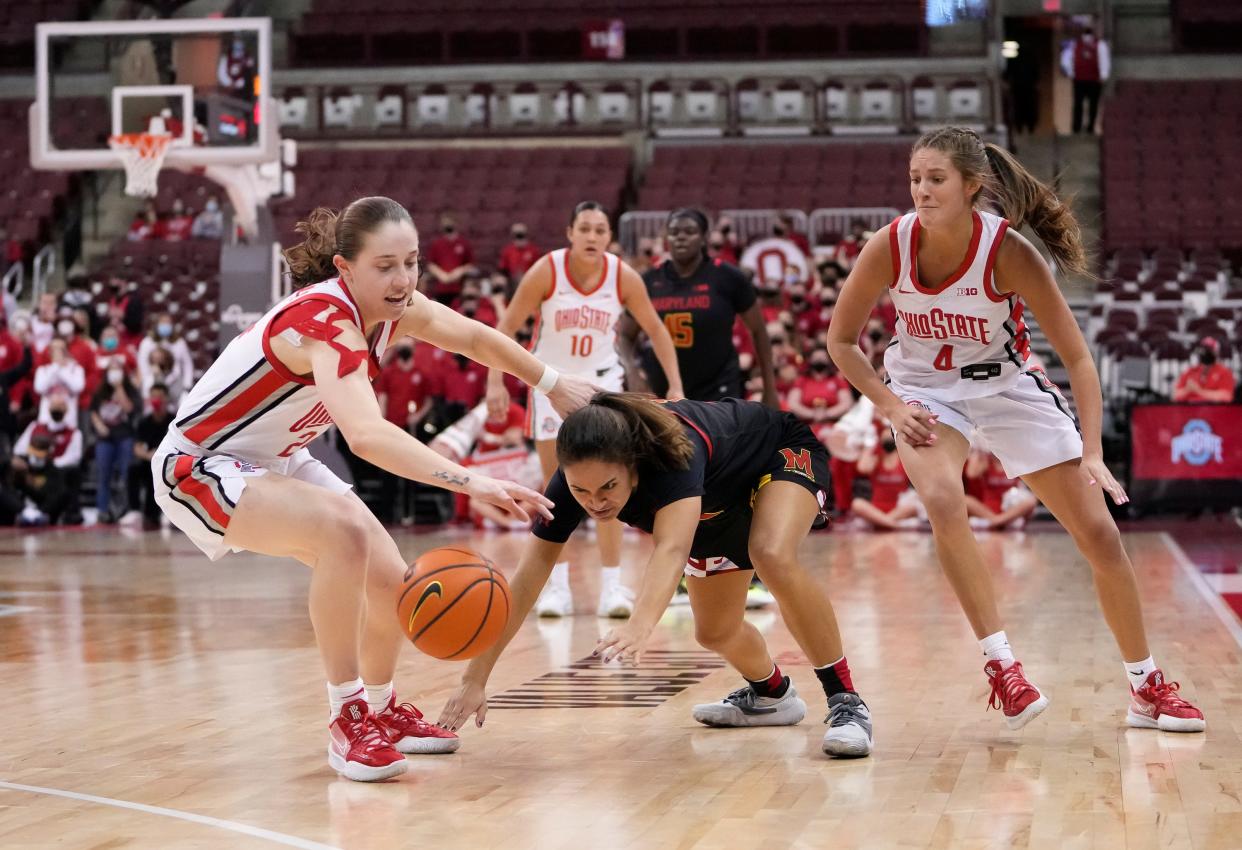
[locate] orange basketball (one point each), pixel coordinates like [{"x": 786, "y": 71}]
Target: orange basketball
[{"x": 453, "y": 604}]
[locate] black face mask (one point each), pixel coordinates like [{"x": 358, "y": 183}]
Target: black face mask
[
  {"x": 1207, "y": 356},
  {"x": 448, "y": 230},
  {"x": 797, "y": 300},
  {"x": 519, "y": 237},
  {"x": 405, "y": 353},
  {"x": 819, "y": 368},
  {"x": 889, "y": 445},
  {"x": 57, "y": 415},
  {"x": 876, "y": 336}
]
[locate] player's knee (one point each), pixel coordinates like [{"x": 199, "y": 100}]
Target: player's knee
[
  {"x": 1098, "y": 538},
  {"x": 772, "y": 559},
  {"x": 944, "y": 503},
  {"x": 350, "y": 531},
  {"x": 713, "y": 636}
]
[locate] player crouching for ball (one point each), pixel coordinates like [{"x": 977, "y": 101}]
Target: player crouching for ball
[{"x": 733, "y": 486}]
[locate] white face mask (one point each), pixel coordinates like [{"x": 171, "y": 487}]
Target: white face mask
[
  {"x": 115, "y": 376},
  {"x": 212, "y": 206},
  {"x": 65, "y": 328}
]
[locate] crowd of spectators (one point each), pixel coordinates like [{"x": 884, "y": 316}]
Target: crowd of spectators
[{"x": 178, "y": 223}]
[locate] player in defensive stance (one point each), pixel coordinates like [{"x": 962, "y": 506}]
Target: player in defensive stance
[
  {"x": 578, "y": 295},
  {"x": 730, "y": 478},
  {"x": 234, "y": 472},
  {"x": 960, "y": 278}
]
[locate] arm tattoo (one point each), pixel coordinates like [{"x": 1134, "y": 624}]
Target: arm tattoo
[{"x": 452, "y": 479}]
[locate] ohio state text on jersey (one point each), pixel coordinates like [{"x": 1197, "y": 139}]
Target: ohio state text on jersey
[{"x": 575, "y": 331}]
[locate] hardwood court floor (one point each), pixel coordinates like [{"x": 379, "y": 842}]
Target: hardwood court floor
[{"x": 135, "y": 670}]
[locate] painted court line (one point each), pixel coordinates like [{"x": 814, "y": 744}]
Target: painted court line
[
  {"x": 1223, "y": 611},
  {"x": 244, "y": 829}
]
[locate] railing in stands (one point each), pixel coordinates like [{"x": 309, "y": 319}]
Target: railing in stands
[
  {"x": 282, "y": 284},
  {"x": 14, "y": 280},
  {"x": 44, "y": 267},
  {"x": 838, "y": 220},
  {"x": 649, "y": 224}
]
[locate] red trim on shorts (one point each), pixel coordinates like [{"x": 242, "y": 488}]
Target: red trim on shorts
[
  {"x": 237, "y": 408},
  {"x": 201, "y": 493},
  {"x": 894, "y": 249},
  {"x": 967, "y": 261},
  {"x": 989, "y": 283}
]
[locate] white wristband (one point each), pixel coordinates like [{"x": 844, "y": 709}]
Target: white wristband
[{"x": 548, "y": 381}]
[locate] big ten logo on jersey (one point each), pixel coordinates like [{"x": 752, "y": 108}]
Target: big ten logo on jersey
[
  {"x": 311, "y": 426},
  {"x": 966, "y": 291},
  {"x": 798, "y": 461}
]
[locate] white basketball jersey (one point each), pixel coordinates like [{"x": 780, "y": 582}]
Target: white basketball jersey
[
  {"x": 964, "y": 339},
  {"x": 249, "y": 405},
  {"x": 575, "y": 331}
]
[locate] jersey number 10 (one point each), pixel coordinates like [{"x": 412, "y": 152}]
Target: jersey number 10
[{"x": 581, "y": 346}]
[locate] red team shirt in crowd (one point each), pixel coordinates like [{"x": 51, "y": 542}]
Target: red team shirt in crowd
[
  {"x": 991, "y": 487},
  {"x": 887, "y": 484},
  {"x": 821, "y": 392},
  {"x": 1211, "y": 378},
  {"x": 516, "y": 259},
  {"x": 401, "y": 388}
]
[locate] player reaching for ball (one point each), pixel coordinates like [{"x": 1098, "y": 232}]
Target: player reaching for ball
[
  {"x": 234, "y": 472},
  {"x": 731, "y": 478}
]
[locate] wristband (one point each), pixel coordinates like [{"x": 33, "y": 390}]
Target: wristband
[{"x": 548, "y": 381}]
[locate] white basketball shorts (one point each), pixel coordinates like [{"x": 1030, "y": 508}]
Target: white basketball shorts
[
  {"x": 543, "y": 423},
  {"x": 1029, "y": 427},
  {"x": 198, "y": 493}
]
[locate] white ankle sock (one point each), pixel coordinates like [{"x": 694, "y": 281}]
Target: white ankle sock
[
  {"x": 340, "y": 694},
  {"x": 378, "y": 696},
  {"x": 560, "y": 575},
  {"x": 1138, "y": 671},
  {"x": 996, "y": 648},
  {"x": 609, "y": 577}
]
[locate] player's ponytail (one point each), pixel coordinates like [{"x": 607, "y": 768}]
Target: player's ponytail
[
  {"x": 625, "y": 428},
  {"x": 1023, "y": 199},
  {"x": 1014, "y": 191},
  {"x": 326, "y": 233}
]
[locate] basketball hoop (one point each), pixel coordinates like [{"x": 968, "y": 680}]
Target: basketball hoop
[{"x": 141, "y": 154}]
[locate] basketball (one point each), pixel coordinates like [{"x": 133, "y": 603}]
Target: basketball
[{"x": 453, "y": 603}]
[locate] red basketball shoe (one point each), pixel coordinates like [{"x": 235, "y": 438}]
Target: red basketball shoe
[
  {"x": 1156, "y": 705},
  {"x": 358, "y": 745},
  {"x": 410, "y": 733},
  {"x": 1013, "y": 694}
]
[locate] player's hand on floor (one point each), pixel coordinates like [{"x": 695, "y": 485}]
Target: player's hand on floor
[
  {"x": 1094, "y": 471},
  {"x": 915, "y": 425},
  {"x": 469, "y": 699},
  {"x": 515, "y": 500},
  {"x": 571, "y": 393},
  {"x": 624, "y": 643}
]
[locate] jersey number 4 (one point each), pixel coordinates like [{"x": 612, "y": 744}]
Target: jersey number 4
[
  {"x": 944, "y": 360},
  {"x": 680, "y": 328}
]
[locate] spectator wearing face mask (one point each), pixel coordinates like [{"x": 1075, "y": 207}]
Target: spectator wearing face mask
[
  {"x": 450, "y": 257},
  {"x": 16, "y": 370},
  {"x": 147, "y": 437},
  {"x": 851, "y": 244},
  {"x": 209, "y": 224},
  {"x": 114, "y": 409},
  {"x": 1208, "y": 380},
  {"x": 47, "y": 462},
  {"x": 819, "y": 397},
  {"x": 785, "y": 228},
  {"x": 519, "y": 255},
  {"x": 179, "y": 373},
  {"x": 61, "y": 375},
  {"x": 110, "y": 352},
  {"x": 472, "y": 304},
  {"x": 892, "y": 502},
  {"x": 43, "y": 323},
  {"x": 404, "y": 391},
  {"x": 180, "y": 224}
]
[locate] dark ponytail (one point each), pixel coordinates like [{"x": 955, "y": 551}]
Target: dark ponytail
[
  {"x": 625, "y": 428},
  {"x": 326, "y": 233}
]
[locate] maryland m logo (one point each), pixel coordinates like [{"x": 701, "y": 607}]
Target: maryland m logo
[{"x": 799, "y": 462}]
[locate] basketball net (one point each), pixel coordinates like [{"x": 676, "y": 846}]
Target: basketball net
[{"x": 142, "y": 155}]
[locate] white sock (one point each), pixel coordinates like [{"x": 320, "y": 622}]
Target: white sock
[
  {"x": 378, "y": 696},
  {"x": 1138, "y": 671},
  {"x": 340, "y": 694},
  {"x": 609, "y": 577},
  {"x": 560, "y": 575},
  {"x": 996, "y": 648}
]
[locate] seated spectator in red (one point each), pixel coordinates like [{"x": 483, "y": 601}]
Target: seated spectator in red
[
  {"x": 519, "y": 255},
  {"x": 1208, "y": 381},
  {"x": 141, "y": 227},
  {"x": 403, "y": 390},
  {"x": 889, "y": 504},
  {"x": 805, "y": 309},
  {"x": 509, "y": 430},
  {"x": 179, "y": 224},
  {"x": 819, "y": 397},
  {"x": 449, "y": 258},
  {"x": 111, "y": 352},
  {"x": 993, "y": 499},
  {"x": 851, "y": 244},
  {"x": 463, "y": 383},
  {"x": 126, "y": 312},
  {"x": 786, "y": 228},
  {"x": 472, "y": 304},
  {"x": 886, "y": 312},
  {"x": 47, "y": 466}
]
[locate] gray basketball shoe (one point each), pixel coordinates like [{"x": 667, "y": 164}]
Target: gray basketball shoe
[
  {"x": 849, "y": 727},
  {"x": 744, "y": 707}
]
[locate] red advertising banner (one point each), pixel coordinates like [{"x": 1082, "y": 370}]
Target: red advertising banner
[
  {"x": 603, "y": 39},
  {"x": 1186, "y": 442}
]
